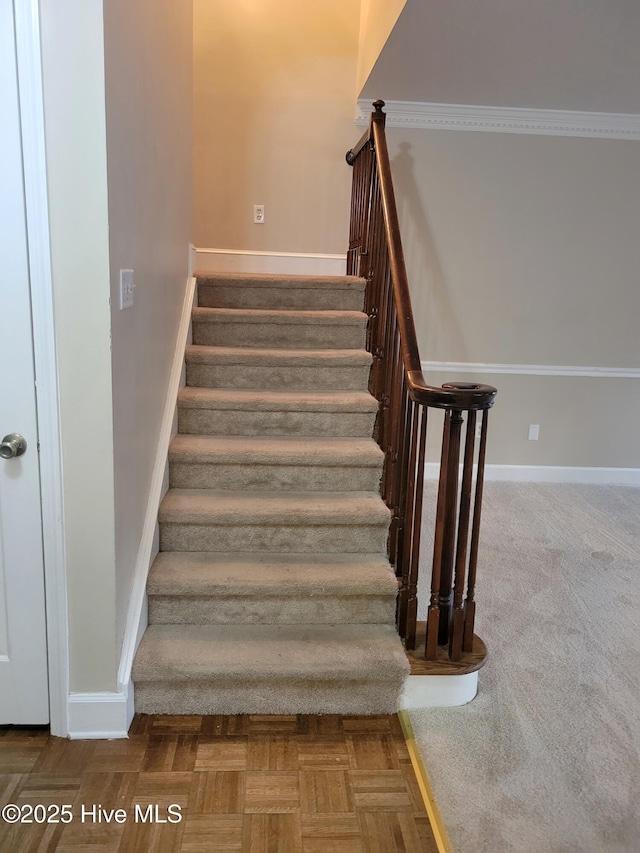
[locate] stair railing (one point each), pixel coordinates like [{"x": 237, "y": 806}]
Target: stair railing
[{"x": 397, "y": 382}]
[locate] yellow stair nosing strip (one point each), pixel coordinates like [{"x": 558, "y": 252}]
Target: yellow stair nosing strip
[{"x": 435, "y": 819}]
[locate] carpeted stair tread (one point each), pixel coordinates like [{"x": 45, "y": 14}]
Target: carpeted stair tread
[
  {"x": 224, "y": 575},
  {"x": 221, "y": 654},
  {"x": 270, "y": 401},
  {"x": 279, "y": 317},
  {"x": 207, "y": 506},
  {"x": 309, "y": 293},
  {"x": 252, "y": 411},
  {"x": 285, "y": 282},
  {"x": 282, "y": 328},
  {"x": 197, "y": 354},
  {"x": 249, "y": 367},
  {"x": 274, "y": 292},
  {"x": 214, "y": 588},
  {"x": 274, "y": 450}
]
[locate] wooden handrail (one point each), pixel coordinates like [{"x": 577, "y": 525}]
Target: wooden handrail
[
  {"x": 357, "y": 148},
  {"x": 397, "y": 382},
  {"x": 451, "y": 395}
]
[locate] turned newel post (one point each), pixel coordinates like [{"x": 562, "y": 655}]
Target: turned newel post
[
  {"x": 470, "y": 604},
  {"x": 457, "y": 618},
  {"x": 453, "y": 424}
]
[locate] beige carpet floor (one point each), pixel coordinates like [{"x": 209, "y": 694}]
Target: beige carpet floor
[{"x": 546, "y": 759}]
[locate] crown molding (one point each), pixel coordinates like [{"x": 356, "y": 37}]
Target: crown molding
[{"x": 505, "y": 119}]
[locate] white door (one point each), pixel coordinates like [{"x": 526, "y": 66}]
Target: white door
[{"x": 24, "y": 695}]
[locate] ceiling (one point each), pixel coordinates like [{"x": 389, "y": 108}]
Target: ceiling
[{"x": 541, "y": 54}]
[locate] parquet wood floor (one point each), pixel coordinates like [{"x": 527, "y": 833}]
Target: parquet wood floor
[{"x": 256, "y": 784}]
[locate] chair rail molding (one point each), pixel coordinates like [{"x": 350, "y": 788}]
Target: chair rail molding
[
  {"x": 531, "y": 369},
  {"x": 505, "y": 119}
]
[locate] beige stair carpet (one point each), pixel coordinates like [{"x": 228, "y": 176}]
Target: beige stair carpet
[
  {"x": 266, "y": 462},
  {"x": 228, "y": 327},
  {"x": 223, "y": 411},
  {"x": 272, "y": 592}
]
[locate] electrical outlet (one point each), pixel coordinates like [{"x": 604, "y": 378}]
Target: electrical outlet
[
  {"x": 534, "y": 432},
  {"x": 258, "y": 214},
  {"x": 478, "y": 431},
  {"x": 126, "y": 289}
]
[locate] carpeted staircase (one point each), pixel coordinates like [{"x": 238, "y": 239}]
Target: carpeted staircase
[{"x": 272, "y": 592}]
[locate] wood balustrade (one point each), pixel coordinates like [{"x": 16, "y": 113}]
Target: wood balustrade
[{"x": 397, "y": 382}]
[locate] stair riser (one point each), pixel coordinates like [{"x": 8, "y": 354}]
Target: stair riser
[
  {"x": 279, "y": 336},
  {"x": 277, "y": 377},
  {"x": 274, "y": 477},
  {"x": 268, "y": 697},
  {"x": 277, "y": 609},
  {"x": 278, "y": 298},
  {"x": 241, "y": 422},
  {"x": 303, "y": 539}
]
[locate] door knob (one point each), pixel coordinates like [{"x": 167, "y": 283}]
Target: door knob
[{"x": 12, "y": 445}]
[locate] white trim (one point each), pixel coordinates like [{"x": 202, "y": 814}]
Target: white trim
[
  {"x": 531, "y": 369},
  {"x": 504, "y": 119},
  {"x": 284, "y": 263},
  {"x": 98, "y": 715},
  {"x": 27, "y": 24},
  {"x": 136, "y": 614},
  {"x": 438, "y": 691},
  {"x": 551, "y": 474}
]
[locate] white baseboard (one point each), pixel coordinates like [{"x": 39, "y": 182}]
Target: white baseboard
[
  {"x": 285, "y": 263},
  {"x": 99, "y": 715},
  {"x": 551, "y": 474},
  {"x": 136, "y": 614},
  {"x": 437, "y": 691}
]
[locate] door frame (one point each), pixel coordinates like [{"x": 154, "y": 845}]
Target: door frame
[{"x": 29, "y": 62}]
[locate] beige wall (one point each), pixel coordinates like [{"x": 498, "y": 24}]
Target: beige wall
[
  {"x": 77, "y": 183},
  {"x": 584, "y": 421},
  {"x": 523, "y": 250},
  {"x": 148, "y": 62},
  {"x": 377, "y": 19},
  {"x": 120, "y": 197},
  {"x": 274, "y": 94}
]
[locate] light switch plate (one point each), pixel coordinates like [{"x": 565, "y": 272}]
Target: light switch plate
[{"x": 126, "y": 289}]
